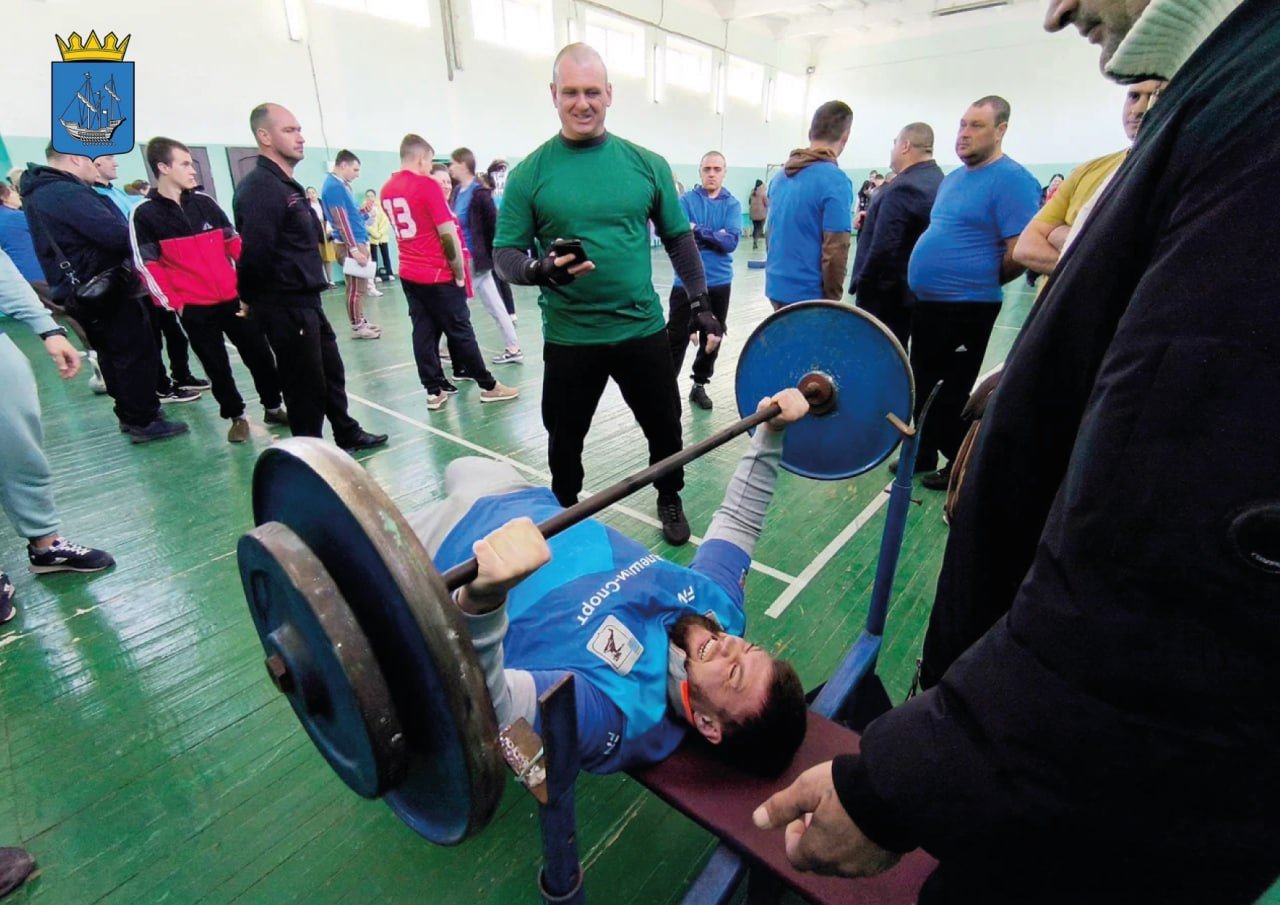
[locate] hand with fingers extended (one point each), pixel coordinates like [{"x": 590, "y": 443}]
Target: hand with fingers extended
[
  {"x": 820, "y": 836},
  {"x": 504, "y": 558},
  {"x": 793, "y": 404}
]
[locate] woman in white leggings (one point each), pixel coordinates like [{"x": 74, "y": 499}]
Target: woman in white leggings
[{"x": 472, "y": 201}]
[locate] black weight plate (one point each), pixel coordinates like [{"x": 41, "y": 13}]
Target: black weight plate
[
  {"x": 454, "y": 773},
  {"x": 321, "y": 660}
]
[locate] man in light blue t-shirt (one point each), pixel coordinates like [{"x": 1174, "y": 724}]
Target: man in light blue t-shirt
[
  {"x": 810, "y": 219},
  {"x": 956, "y": 273}
]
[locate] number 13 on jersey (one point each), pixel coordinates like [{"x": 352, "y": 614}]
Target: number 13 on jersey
[{"x": 398, "y": 211}]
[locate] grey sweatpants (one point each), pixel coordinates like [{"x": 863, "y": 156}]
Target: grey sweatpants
[
  {"x": 26, "y": 484},
  {"x": 465, "y": 481}
]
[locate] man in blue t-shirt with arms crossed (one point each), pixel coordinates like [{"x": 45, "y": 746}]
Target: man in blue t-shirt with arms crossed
[
  {"x": 654, "y": 647},
  {"x": 956, "y": 271}
]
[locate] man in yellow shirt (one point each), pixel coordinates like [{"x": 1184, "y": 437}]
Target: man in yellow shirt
[{"x": 1043, "y": 241}]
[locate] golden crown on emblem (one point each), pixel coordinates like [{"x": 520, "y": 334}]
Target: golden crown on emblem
[{"x": 92, "y": 49}]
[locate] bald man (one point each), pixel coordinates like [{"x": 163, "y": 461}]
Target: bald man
[
  {"x": 281, "y": 276},
  {"x": 602, "y": 318},
  {"x": 896, "y": 218}
]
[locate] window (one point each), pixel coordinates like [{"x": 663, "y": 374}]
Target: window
[
  {"x": 788, "y": 95},
  {"x": 687, "y": 66},
  {"x": 620, "y": 42},
  {"x": 520, "y": 24},
  {"x": 745, "y": 80},
  {"x": 410, "y": 12}
]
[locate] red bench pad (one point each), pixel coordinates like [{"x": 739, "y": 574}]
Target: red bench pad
[{"x": 708, "y": 791}]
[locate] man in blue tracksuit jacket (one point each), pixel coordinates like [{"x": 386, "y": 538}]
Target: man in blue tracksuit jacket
[
  {"x": 716, "y": 218},
  {"x": 654, "y": 647}
]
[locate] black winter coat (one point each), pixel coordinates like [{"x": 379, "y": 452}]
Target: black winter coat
[{"x": 1105, "y": 641}]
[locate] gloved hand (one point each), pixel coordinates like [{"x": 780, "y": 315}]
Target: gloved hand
[
  {"x": 544, "y": 271},
  {"x": 703, "y": 319}
]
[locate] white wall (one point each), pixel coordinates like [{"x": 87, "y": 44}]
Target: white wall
[
  {"x": 200, "y": 68},
  {"x": 1064, "y": 111}
]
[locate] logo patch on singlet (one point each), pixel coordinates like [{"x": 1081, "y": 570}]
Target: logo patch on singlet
[{"x": 614, "y": 643}]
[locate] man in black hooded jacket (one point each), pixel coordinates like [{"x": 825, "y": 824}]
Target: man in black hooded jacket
[{"x": 89, "y": 230}]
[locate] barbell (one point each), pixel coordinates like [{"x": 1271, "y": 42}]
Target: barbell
[{"x": 359, "y": 628}]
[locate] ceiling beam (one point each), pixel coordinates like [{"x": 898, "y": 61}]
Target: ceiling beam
[
  {"x": 824, "y": 24},
  {"x": 749, "y": 9}
]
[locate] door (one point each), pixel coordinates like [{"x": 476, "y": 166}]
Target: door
[
  {"x": 242, "y": 161},
  {"x": 204, "y": 171}
]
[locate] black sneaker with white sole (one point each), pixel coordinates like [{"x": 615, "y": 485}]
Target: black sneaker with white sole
[
  {"x": 7, "y": 611},
  {"x": 64, "y": 556},
  {"x": 448, "y": 389},
  {"x": 937, "y": 480},
  {"x": 675, "y": 527},
  {"x": 178, "y": 394},
  {"x": 191, "y": 383}
]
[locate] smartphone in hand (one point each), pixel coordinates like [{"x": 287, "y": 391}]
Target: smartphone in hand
[{"x": 562, "y": 247}]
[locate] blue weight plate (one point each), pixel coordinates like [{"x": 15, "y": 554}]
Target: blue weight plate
[
  {"x": 863, "y": 360},
  {"x": 319, "y": 658},
  {"x": 454, "y": 774}
]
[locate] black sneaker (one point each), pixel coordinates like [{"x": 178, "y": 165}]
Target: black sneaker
[
  {"x": 675, "y": 527},
  {"x": 178, "y": 394},
  {"x": 448, "y": 389},
  {"x": 7, "y": 591},
  {"x": 463, "y": 375},
  {"x": 363, "y": 440},
  {"x": 922, "y": 465},
  {"x": 698, "y": 396},
  {"x": 156, "y": 430},
  {"x": 191, "y": 383},
  {"x": 276, "y": 415},
  {"x": 64, "y": 556},
  {"x": 16, "y": 866},
  {"x": 937, "y": 480}
]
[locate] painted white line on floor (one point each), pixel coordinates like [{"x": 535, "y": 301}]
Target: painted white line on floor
[
  {"x": 828, "y": 553},
  {"x": 543, "y": 476}
]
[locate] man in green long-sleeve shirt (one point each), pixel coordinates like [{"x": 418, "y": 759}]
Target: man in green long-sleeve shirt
[{"x": 601, "y": 317}]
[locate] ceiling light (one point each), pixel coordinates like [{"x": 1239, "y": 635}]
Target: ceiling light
[{"x": 955, "y": 8}]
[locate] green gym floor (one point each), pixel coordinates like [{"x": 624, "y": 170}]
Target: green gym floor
[{"x": 145, "y": 756}]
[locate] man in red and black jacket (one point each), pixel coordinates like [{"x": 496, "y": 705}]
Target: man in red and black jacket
[{"x": 186, "y": 249}]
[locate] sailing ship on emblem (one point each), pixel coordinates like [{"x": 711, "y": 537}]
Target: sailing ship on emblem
[{"x": 94, "y": 120}]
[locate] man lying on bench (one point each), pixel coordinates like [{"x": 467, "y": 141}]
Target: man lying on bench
[{"x": 654, "y": 646}]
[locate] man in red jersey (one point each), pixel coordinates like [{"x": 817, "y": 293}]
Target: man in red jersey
[{"x": 433, "y": 272}]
